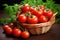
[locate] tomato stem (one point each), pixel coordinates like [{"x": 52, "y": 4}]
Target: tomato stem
[
  {"x": 28, "y": 14},
  {"x": 31, "y": 16}
]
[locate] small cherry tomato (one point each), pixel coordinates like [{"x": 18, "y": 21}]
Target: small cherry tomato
[
  {"x": 16, "y": 32},
  {"x": 8, "y": 31},
  {"x": 25, "y": 34},
  {"x": 32, "y": 19},
  {"x": 42, "y": 19},
  {"x": 5, "y": 27},
  {"x": 22, "y": 18}
]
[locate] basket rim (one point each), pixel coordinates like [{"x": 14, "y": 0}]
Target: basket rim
[
  {"x": 49, "y": 23},
  {"x": 41, "y": 23}
]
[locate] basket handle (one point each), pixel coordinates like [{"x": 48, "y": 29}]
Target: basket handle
[{"x": 53, "y": 16}]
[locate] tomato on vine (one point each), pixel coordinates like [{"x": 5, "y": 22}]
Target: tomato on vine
[
  {"x": 25, "y": 34},
  {"x": 11, "y": 25},
  {"x": 5, "y": 27},
  {"x": 17, "y": 32},
  {"x": 8, "y": 31}
]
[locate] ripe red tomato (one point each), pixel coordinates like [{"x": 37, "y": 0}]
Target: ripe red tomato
[
  {"x": 8, "y": 31},
  {"x": 36, "y": 12},
  {"x": 22, "y": 18},
  {"x": 32, "y": 19},
  {"x": 25, "y": 8},
  {"x": 25, "y": 34},
  {"x": 42, "y": 19},
  {"x": 16, "y": 32},
  {"x": 45, "y": 13},
  {"x": 5, "y": 27},
  {"x": 48, "y": 14},
  {"x": 40, "y": 13}
]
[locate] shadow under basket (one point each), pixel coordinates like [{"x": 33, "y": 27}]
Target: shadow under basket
[{"x": 39, "y": 28}]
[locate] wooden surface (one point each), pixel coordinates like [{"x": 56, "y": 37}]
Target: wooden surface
[{"x": 52, "y": 34}]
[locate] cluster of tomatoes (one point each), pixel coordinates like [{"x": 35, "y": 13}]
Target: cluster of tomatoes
[
  {"x": 34, "y": 15},
  {"x": 30, "y": 15},
  {"x": 10, "y": 29}
]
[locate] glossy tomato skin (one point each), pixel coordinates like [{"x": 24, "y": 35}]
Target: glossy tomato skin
[
  {"x": 36, "y": 12},
  {"x": 42, "y": 19},
  {"x": 40, "y": 13},
  {"x": 32, "y": 20},
  {"x": 25, "y": 8},
  {"x": 5, "y": 27},
  {"x": 8, "y": 31},
  {"x": 45, "y": 13},
  {"x": 48, "y": 14},
  {"x": 25, "y": 34},
  {"x": 22, "y": 18},
  {"x": 32, "y": 10},
  {"x": 16, "y": 32}
]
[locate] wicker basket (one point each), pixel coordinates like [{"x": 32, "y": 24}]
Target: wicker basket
[{"x": 39, "y": 28}]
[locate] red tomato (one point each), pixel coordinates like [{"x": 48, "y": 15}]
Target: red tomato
[
  {"x": 36, "y": 12},
  {"x": 11, "y": 25},
  {"x": 33, "y": 11},
  {"x": 25, "y": 34},
  {"x": 45, "y": 13},
  {"x": 42, "y": 19},
  {"x": 16, "y": 32},
  {"x": 22, "y": 18},
  {"x": 40, "y": 13},
  {"x": 5, "y": 27},
  {"x": 9, "y": 30},
  {"x": 25, "y": 8},
  {"x": 48, "y": 14},
  {"x": 32, "y": 19}
]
